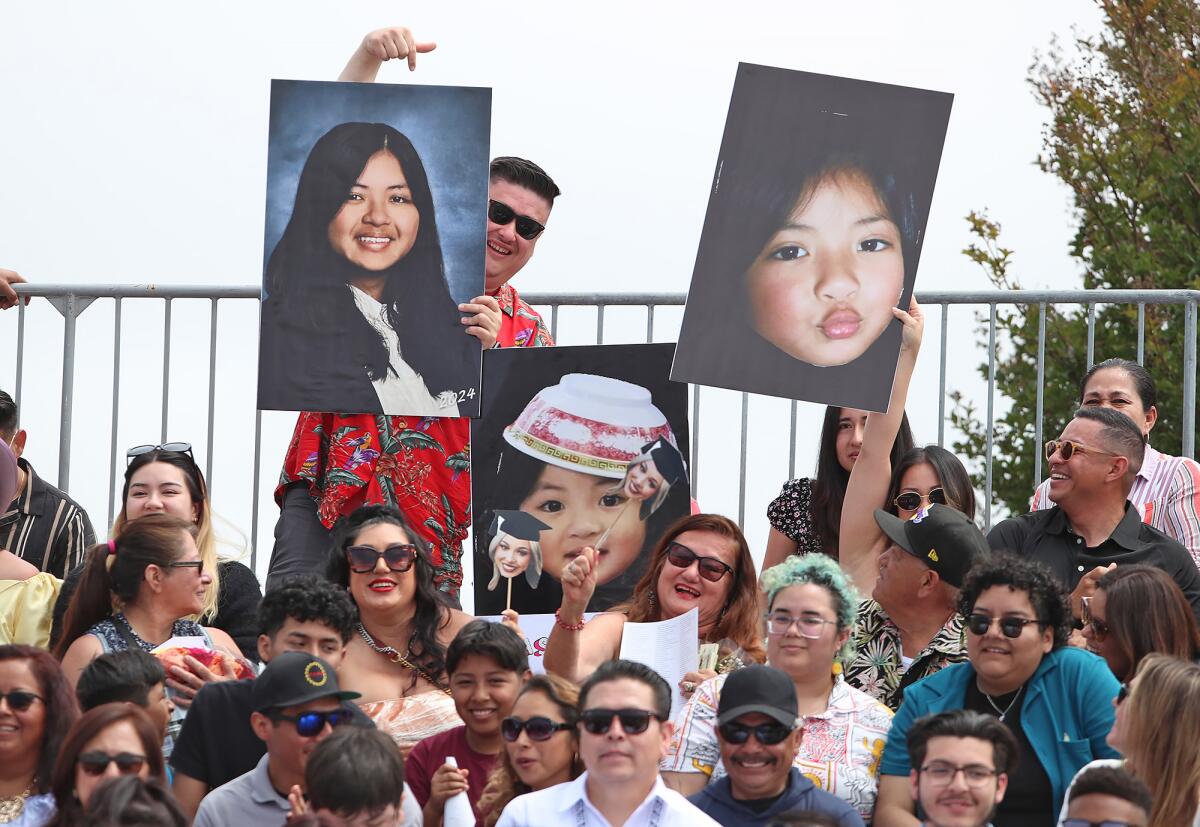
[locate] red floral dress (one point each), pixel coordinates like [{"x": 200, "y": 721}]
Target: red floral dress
[{"x": 421, "y": 465}]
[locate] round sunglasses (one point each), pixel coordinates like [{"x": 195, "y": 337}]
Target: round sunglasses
[
  {"x": 1011, "y": 627},
  {"x": 538, "y": 728},
  {"x": 309, "y": 724},
  {"x": 398, "y": 557},
  {"x": 711, "y": 568},
  {"x": 911, "y": 500},
  {"x": 95, "y": 763},
  {"x": 767, "y": 734},
  {"x": 633, "y": 721}
]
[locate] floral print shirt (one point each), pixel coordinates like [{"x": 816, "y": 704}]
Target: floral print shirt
[
  {"x": 839, "y": 751},
  {"x": 876, "y": 667},
  {"x": 420, "y": 465},
  {"x": 791, "y": 515}
]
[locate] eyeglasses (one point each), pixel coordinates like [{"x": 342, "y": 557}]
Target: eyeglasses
[
  {"x": 711, "y": 568},
  {"x": 1067, "y": 449},
  {"x": 911, "y": 500},
  {"x": 979, "y": 624},
  {"x": 198, "y": 565},
  {"x": 767, "y": 734},
  {"x": 1100, "y": 629},
  {"x": 20, "y": 700},
  {"x": 95, "y": 763},
  {"x": 940, "y": 773},
  {"x": 364, "y": 559},
  {"x": 527, "y": 228},
  {"x": 1122, "y": 693},
  {"x": 309, "y": 724},
  {"x": 809, "y": 626},
  {"x": 538, "y": 728},
  {"x": 1083, "y": 822},
  {"x": 633, "y": 721},
  {"x": 173, "y": 447}
]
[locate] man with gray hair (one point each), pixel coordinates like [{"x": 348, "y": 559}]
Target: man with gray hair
[{"x": 1093, "y": 527}]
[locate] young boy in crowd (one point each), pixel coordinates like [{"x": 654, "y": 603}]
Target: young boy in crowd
[
  {"x": 133, "y": 677},
  {"x": 487, "y": 664},
  {"x": 217, "y": 744},
  {"x": 357, "y": 775}
]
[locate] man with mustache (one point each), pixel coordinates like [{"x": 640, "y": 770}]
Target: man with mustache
[
  {"x": 758, "y": 737},
  {"x": 961, "y": 761}
]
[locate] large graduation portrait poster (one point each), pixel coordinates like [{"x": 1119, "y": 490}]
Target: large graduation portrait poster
[
  {"x": 375, "y": 232},
  {"x": 574, "y": 447},
  {"x": 815, "y": 224}
]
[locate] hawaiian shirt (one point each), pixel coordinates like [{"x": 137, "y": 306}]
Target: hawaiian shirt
[
  {"x": 420, "y": 465},
  {"x": 876, "y": 667},
  {"x": 839, "y": 751}
]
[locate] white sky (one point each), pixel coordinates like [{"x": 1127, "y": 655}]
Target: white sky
[{"x": 133, "y": 149}]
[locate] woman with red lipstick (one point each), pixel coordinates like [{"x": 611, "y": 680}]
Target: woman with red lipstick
[
  {"x": 397, "y": 661},
  {"x": 356, "y": 314}
]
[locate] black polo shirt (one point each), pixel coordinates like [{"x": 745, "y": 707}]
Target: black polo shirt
[{"x": 1047, "y": 537}]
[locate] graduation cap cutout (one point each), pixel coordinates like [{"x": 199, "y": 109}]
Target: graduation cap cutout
[
  {"x": 667, "y": 459},
  {"x": 521, "y": 526}
]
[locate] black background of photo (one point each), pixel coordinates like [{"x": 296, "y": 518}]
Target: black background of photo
[
  {"x": 511, "y": 378},
  {"x": 903, "y": 128}
]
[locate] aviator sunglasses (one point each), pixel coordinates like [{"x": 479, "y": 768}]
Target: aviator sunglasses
[
  {"x": 1067, "y": 449},
  {"x": 767, "y": 734},
  {"x": 633, "y": 721},
  {"x": 527, "y": 228},
  {"x": 1011, "y": 627},
  {"x": 95, "y": 763},
  {"x": 538, "y": 728},
  {"x": 309, "y": 724},
  {"x": 911, "y": 500},
  {"x": 364, "y": 559},
  {"x": 711, "y": 568}
]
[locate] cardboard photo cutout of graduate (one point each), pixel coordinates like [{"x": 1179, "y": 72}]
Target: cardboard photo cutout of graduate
[
  {"x": 589, "y": 441},
  {"x": 376, "y": 196},
  {"x": 515, "y": 550},
  {"x": 813, "y": 233}
]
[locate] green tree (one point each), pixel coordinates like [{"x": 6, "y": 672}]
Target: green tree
[{"x": 1124, "y": 134}]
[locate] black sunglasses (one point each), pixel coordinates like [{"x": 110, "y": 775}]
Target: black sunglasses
[
  {"x": 364, "y": 559},
  {"x": 309, "y": 724},
  {"x": 767, "y": 734},
  {"x": 911, "y": 500},
  {"x": 711, "y": 568},
  {"x": 538, "y": 728},
  {"x": 1100, "y": 629},
  {"x": 20, "y": 700},
  {"x": 95, "y": 763},
  {"x": 1083, "y": 822},
  {"x": 979, "y": 624},
  {"x": 527, "y": 228},
  {"x": 633, "y": 721},
  {"x": 198, "y": 565},
  {"x": 1123, "y": 693},
  {"x": 173, "y": 447}
]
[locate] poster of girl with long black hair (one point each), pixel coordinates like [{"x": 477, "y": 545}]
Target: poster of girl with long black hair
[{"x": 358, "y": 311}]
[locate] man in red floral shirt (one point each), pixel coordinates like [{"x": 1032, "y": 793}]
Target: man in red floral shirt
[{"x": 421, "y": 465}]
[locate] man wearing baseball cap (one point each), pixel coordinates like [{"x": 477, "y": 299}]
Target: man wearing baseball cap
[
  {"x": 910, "y": 628},
  {"x": 758, "y": 736},
  {"x": 297, "y": 702}
]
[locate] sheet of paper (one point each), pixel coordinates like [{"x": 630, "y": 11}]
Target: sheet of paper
[{"x": 668, "y": 647}]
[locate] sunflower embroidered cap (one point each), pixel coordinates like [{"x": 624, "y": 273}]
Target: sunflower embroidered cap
[{"x": 295, "y": 678}]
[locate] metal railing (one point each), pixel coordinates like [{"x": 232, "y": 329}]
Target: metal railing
[{"x": 73, "y": 299}]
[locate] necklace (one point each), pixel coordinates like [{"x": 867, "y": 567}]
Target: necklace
[
  {"x": 1007, "y": 709},
  {"x": 395, "y": 657},
  {"x": 12, "y": 807}
]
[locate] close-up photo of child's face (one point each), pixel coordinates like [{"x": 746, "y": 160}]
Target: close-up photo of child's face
[
  {"x": 823, "y": 287},
  {"x": 512, "y": 555},
  {"x": 580, "y": 509},
  {"x": 643, "y": 480}
]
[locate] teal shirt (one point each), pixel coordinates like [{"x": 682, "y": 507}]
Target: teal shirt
[{"x": 1066, "y": 714}]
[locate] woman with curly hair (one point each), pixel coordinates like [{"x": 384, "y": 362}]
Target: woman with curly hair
[
  {"x": 541, "y": 744},
  {"x": 811, "y": 606},
  {"x": 1056, "y": 699}
]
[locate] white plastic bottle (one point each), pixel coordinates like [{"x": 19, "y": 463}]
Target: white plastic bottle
[{"x": 457, "y": 811}]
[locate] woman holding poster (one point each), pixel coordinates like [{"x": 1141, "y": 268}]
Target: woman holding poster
[{"x": 356, "y": 312}]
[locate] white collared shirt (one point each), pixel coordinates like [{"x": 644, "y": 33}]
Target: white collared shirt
[
  {"x": 568, "y": 805},
  {"x": 401, "y": 391}
]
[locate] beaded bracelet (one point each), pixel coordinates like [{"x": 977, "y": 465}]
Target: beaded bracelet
[{"x": 570, "y": 627}]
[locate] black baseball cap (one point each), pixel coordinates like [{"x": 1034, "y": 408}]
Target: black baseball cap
[
  {"x": 758, "y": 688},
  {"x": 941, "y": 537},
  {"x": 295, "y": 678}
]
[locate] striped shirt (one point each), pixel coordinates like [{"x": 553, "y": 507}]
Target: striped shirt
[
  {"x": 1166, "y": 494},
  {"x": 45, "y": 527}
]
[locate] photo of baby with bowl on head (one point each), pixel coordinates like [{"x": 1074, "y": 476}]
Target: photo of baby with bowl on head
[
  {"x": 813, "y": 233},
  {"x": 575, "y": 447}
]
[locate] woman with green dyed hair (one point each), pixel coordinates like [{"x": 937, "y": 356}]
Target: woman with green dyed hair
[{"x": 811, "y": 606}]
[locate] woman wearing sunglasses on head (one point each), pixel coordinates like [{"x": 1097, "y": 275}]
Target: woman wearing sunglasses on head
[
  {"x": 164, "y": 479},
  {"x": 1056, "y": 699},
  {"x": 397, "y": 659},
  {"x": 1118, "y": 627},
  {"x": 109, "y": 741},
  {"x": 37, "y": 708},
  {"x": 810, "y": 609},
  {"x": 541, "y": 744},
  {"x": 702, "y": 561}
]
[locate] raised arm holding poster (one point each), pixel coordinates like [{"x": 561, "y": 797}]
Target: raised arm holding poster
[{"x": 814, "y": 227}]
